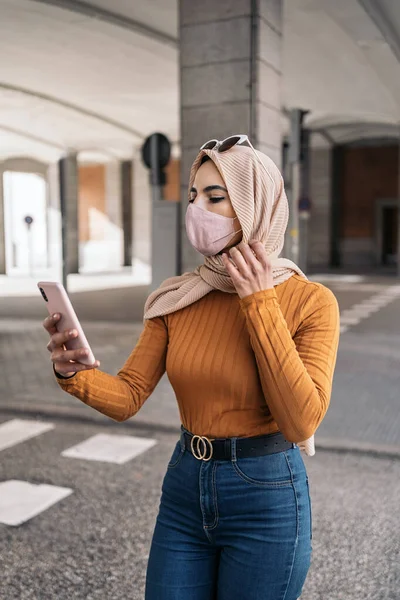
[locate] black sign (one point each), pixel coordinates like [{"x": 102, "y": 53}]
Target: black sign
[
  {"x": 28, "y": 220},
  {"x": 156, "y": 152}
]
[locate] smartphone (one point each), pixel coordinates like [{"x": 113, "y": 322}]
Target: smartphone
[{"x": 57, "y": 300}]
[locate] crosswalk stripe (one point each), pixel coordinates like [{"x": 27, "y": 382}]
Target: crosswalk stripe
[
  {"x": 363, "y": 310},
  {"x": 21, "y": 500},
  {"x": 110, "y": 448},
  {"x": 19, "y": 430}
]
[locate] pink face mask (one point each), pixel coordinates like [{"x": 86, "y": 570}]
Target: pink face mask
[{"x": 208, "y": 232}]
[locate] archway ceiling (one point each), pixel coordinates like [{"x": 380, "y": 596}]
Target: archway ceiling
[{"x": 76, "y": 76}]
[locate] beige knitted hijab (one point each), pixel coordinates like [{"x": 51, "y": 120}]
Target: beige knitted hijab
[{"x": 259, "y": 200}]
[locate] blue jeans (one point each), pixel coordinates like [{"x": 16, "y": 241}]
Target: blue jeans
[{"x": 237, "y": 529}]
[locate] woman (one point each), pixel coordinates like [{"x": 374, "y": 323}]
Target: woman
[{"x": 249, "y": 345}]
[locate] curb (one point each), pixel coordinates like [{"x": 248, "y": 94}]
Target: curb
[
  {"x": 324, "y": 444},
  {"x": 71, "y": 415}
]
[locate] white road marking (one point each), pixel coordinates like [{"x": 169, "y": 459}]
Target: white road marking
[
  {"x": 349, "y": 320},
  {"x": 105, "y": 447},
  {"x": 337, "y": 277},
  {"x": 21, "y": 500},
  {"x": 18, "y": 430},
  {"x": 363, "y": 310}
]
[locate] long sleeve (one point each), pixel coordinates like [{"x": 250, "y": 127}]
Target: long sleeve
[
  {"x": 296, "y": 373},
  {"x": 121, "y": 396}
]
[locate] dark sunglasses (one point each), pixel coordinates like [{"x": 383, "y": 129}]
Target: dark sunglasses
[
  {"x": 234, "y": 140},
  {"x": 227, "y": 143}
]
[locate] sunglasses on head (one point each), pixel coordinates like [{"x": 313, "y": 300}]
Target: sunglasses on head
[
  {"x": 227, "y": 143},
  {"x": 234, "y": 140}
]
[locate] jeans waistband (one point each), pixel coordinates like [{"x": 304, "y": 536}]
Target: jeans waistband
[{"x": 204, "y": 448}]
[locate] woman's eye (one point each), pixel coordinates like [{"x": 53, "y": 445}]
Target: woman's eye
[{"x": 216, "y": 199}]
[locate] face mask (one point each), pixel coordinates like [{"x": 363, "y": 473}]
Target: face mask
[{"x": 208, "y": 232}]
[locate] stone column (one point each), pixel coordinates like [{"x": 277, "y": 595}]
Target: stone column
[
  {"x": 2, "y": 229},
  {"x": 319, "y": 239},
  {"x": 230, "y": 66},
  {"x": 68, "y": 173},
  {"x": 127, "y": 210}
]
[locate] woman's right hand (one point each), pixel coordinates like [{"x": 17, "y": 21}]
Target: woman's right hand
[{"x": 66, "y": 362}]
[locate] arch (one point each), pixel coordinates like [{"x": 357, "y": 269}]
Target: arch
[
  {"x": 24, "y": 164},
  {"x": 95, "y": 12},
  {"x": 74, "y": 107},
  {"x": 346, "y": 131}
]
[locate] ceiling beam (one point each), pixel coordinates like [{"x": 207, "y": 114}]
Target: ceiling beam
[
  {"x": 113, "y": 18},
  {"x": 389, "y": 33},
  {"x": 33, "y": 138},
  {"x": 73, "y": 107},
  {"x": 51, "y": 144}
]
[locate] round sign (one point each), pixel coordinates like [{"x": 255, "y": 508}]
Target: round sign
[
  {"x": 28, "y": 220},
  {"x": 161, "y": 149}
]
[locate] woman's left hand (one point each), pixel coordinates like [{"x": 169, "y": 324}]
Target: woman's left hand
[{"x": 249, "y": 272}]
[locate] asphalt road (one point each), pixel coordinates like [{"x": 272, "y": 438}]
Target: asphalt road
[{"x": 94, "y": 543}]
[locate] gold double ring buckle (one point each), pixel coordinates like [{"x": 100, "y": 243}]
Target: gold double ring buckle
[{"x": 196, "y": 452}]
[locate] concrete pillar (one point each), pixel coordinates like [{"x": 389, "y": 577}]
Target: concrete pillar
[
  {"x": 230, "y": 61},
  {"x": 319, "y": 239},
  {"x": 127, "y": 210},
  {"x": 337, "y": 168},
  {"x": 68, "y": 178},
  {"x": 2, "y": 229}
]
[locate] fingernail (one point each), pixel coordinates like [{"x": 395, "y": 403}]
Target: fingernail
[
  {"x": 83, "y": 352},
  {"x": 55, "y": 316},
  {"x": 72, "y": 332}
]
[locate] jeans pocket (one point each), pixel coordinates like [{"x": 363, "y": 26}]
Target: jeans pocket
[
  {"x": 176, "y": 456},
  {"x": 270, "y": 470},
  {"x": 310, "y": 507}
]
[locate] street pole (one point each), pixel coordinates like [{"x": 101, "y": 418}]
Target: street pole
[
  {"x": 28, "y": 221},
  {"x": 30, "y": 246},
  {"x": 304, "y": 199},
  {"x": 398, "y": 203},
  {"x": 63, "y": 208},
  {"x": 156, "y": 152}
]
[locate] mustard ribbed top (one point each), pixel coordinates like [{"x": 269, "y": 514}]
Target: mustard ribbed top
[{"x": 239, "y": 367}]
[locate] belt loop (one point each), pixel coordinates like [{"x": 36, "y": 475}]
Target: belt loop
[
  {"x": 233, "y": 449},
  {"x": 182, "y": 437}
]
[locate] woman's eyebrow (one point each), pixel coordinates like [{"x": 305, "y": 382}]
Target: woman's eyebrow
[{"x": 210, "y": 188}]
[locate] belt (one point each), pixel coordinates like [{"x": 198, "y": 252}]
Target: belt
[{"x": 204, "y": 448}]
